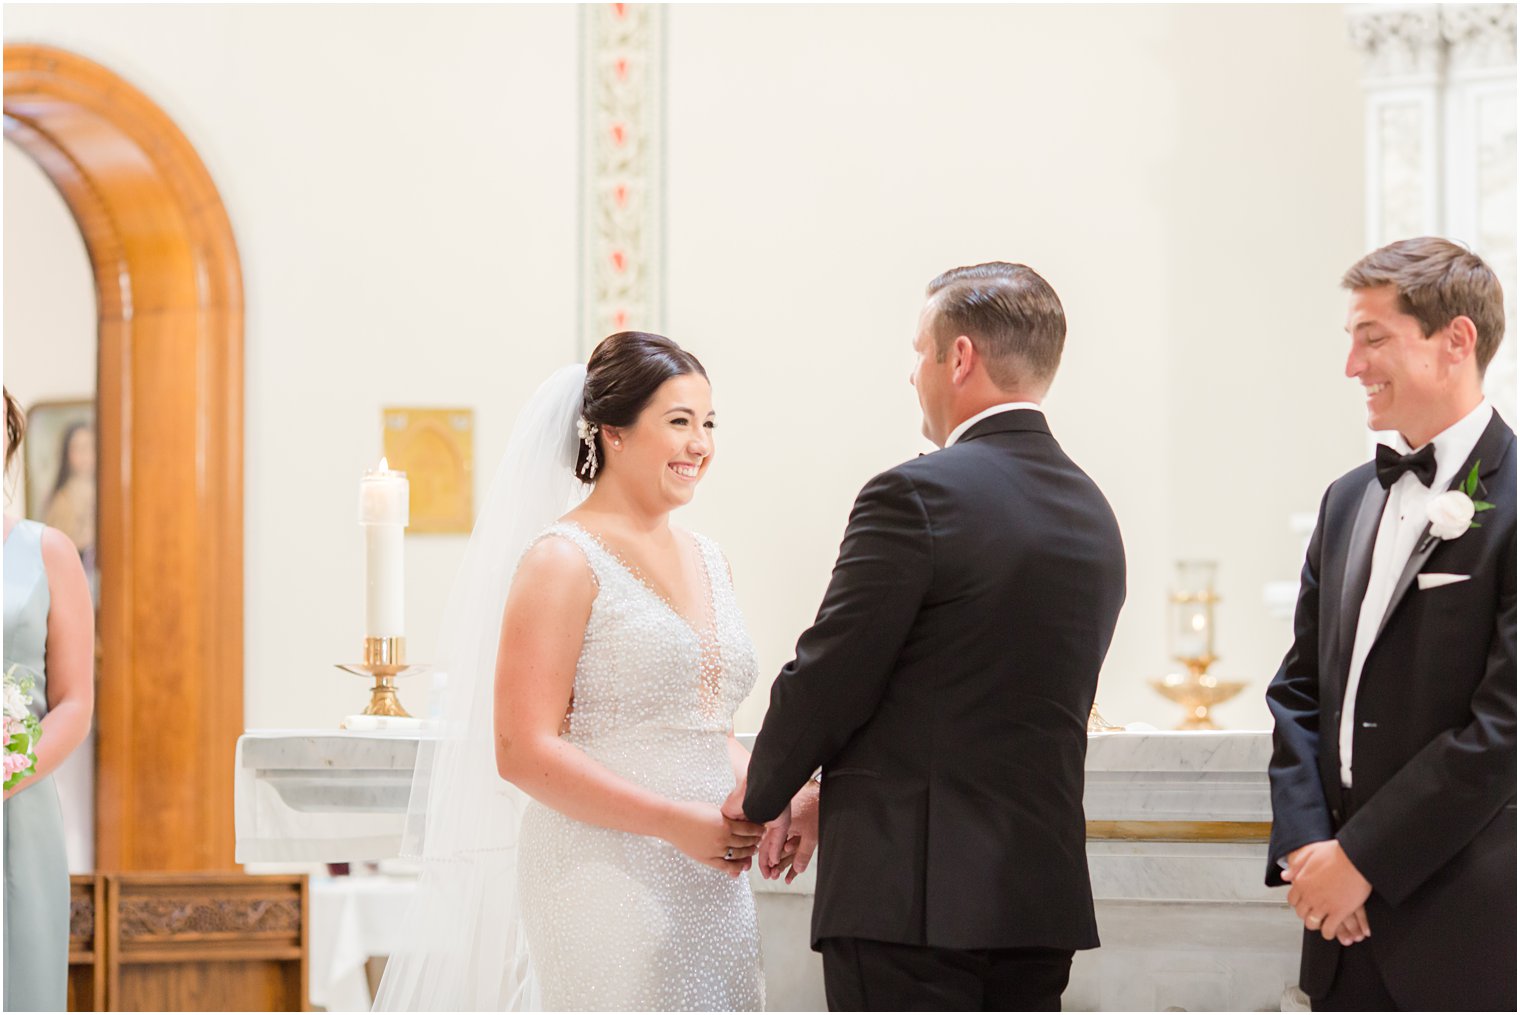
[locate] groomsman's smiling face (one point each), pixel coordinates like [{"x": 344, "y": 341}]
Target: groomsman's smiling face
[{"x": 1413, "y": 383}]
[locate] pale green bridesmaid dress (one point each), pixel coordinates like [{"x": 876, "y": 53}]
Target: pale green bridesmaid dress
[{"x": 36, "y": 867}]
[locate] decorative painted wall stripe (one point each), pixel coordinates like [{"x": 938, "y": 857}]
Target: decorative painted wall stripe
[{"x": 622, "y": 202}]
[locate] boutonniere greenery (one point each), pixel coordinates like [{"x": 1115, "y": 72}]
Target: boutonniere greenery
[{"x": 1451, "y": 513}]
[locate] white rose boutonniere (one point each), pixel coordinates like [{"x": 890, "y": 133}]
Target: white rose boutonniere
[{"x": 1451, "y": 513}]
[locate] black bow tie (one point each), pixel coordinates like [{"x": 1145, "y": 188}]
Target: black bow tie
[{"x": 1391, "y": 465}]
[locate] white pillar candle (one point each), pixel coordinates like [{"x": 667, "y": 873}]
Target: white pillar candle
[{"x": 384, "y": 513}]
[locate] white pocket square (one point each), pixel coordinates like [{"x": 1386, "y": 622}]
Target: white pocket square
[{"x": 1435, "y": 581}]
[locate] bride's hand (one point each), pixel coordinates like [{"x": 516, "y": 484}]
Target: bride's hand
[{"x": 702, "y": 832}]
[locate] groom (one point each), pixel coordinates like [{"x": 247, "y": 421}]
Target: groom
[
  {"x": 1393, "y": 768},
  {"x": 945, "y": 686}
]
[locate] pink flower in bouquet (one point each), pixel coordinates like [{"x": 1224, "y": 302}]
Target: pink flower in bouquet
[
  {"x": 16, "y": 763},
  {"x": 11, "y": 726}
]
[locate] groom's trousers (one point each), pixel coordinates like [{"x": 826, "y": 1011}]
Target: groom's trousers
[{"x": 861, "y": 975}]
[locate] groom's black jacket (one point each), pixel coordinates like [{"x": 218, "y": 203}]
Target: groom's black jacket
[
  {"x": 944, "y": 689},
  {"x": 1430, "y": 818}
]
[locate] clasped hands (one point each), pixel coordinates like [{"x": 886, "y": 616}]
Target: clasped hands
[
  {"x": 788, "y": 843},
  {"x": 1328, "y": 893}
]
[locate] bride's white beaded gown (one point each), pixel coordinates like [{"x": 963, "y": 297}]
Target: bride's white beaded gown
[{"x": 628, "y": 922}]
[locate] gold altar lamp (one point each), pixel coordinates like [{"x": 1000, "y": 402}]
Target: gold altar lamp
[{"x": 1191, "y": 637}]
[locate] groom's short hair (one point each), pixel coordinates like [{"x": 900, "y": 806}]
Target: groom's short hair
[
  {"x": 1011, "y": 315},
  {"x": 1437, "y": 281}
]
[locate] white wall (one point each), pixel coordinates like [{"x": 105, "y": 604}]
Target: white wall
[
  {"x": 49, "y": 300},
  {"x": 402, "y": 182},
  {"x": 1191, "y": 199}
]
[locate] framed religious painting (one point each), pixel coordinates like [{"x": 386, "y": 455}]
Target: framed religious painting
[
  {"x": 436, "y": 450},
  {"x": 59, "y": 455}
]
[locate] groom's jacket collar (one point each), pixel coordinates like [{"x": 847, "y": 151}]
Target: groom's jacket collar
[
  {"x": 1014, "y": 420},
  {"x": 1488, "y": 452}
]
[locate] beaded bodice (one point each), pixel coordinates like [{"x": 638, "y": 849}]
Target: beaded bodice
[
  {"x": 617, "y": 921},
  {"x": 644, "y": 668}
]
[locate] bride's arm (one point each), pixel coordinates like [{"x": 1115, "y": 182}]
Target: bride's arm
[
  {"x": 542, "y": 630},
  {"x": 738, "y": 757}
]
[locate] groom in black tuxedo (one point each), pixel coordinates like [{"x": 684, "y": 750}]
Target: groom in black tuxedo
[
  {"x": 945, "y": 686},
  {"x": 1393, "y": 769}
]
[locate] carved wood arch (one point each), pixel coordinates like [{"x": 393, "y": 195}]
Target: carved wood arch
[{"x": 170, "y": 296}]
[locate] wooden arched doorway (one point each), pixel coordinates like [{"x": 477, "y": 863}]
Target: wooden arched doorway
[{"x": 170, "y": 298}]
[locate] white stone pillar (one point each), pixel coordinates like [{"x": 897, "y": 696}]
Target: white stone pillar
[{"x": 1440, "y": 125}]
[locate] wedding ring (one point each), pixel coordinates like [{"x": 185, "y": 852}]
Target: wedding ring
[
  {"x": 1314, "y": 921},
  {"x": 728, "y": 854}
]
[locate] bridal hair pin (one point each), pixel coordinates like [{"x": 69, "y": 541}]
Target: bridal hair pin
[{"x": 587, "y": 432}]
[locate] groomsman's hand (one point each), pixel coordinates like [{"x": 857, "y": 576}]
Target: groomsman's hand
[
  {"x": 1354, "y": 929},
  {"x": 1327, "y": 888}
]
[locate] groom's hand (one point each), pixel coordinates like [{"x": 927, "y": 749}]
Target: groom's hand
[
  {"x": 804, "y": 837},
  {"x": 733, "y": 807},
  {"x": 773, "y": 844}
]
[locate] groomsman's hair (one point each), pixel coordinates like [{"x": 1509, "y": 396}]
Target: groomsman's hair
[
  {"x": 1437, "y": 281},
  {"x": 1011, "y": 315}
]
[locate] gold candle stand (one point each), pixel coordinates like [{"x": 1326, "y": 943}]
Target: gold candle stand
[
  {"x": 1197, "y": 691},
  {"x": 384, "y": 660}
]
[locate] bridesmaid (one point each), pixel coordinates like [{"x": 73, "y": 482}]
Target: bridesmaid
[{"x": 50, "y": 631}]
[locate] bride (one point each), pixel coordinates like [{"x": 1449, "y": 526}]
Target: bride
[{"x": 574, "y": 853}]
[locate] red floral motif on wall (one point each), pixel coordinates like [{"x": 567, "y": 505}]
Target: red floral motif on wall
[{"x": 622, "y": 201}]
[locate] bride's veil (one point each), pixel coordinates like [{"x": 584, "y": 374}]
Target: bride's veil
[{"x": 464, "y": 948}]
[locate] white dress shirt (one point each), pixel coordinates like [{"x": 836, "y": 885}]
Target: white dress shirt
[
  {"x": 1404, "y": 519},
  {"x": 960, "y": 431}
]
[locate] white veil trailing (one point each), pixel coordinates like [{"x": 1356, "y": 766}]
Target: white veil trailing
[{"x": 464, "y": 948}]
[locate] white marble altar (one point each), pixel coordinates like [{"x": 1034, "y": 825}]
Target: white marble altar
[{"x": 1177, "y": 826}]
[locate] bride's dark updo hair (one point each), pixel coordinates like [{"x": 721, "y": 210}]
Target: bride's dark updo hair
[{"x": 624, "y": 372}]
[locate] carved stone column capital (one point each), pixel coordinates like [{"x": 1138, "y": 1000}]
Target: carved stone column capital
[
  {"x": 1398, "y": 41},
  {"x": 1479, "y": 36}
]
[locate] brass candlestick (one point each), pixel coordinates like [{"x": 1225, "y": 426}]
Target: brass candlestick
[{"x": 384, "y": 660}]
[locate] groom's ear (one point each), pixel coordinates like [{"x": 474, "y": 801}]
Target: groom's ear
[{"x": 963, "y": 357}]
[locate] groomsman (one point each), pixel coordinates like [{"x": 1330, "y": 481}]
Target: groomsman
[
  {"x": 1393, "y": 769},
  {"x": 945, "y": 686}
]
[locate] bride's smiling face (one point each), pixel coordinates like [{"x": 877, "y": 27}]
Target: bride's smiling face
[{"x": 671, "y": 443}]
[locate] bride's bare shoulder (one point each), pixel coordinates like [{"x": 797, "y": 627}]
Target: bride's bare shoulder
[{"x": 555, "y": 565}]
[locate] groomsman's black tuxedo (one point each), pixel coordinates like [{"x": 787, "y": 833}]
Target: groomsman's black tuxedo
[
  {"x": 1430, "y": 817},
  {"x": 944, "y": 689}
]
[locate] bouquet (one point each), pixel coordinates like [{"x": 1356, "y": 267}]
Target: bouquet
[{"x": 22, "y": 730}]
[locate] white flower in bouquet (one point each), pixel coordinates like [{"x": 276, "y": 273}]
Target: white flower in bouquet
[
  {"x": 22, "y": 730},
  {"x": 15, "y": 699}
]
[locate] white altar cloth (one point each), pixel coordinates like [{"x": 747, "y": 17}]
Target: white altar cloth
[{"x": 353, "y": 918}]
